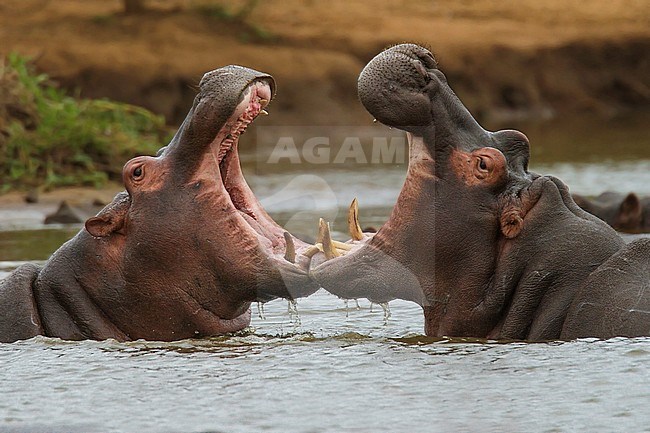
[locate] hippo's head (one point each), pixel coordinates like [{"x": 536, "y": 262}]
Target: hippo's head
[
  {"x": 403, "y": 88},
  {"x": 188, "y": 239},
  {"x": 460, "y": 201}
]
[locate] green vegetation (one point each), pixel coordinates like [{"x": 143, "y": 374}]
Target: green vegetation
[{"x": 49, "y": 139}]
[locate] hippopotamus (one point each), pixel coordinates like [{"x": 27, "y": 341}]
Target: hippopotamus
[
  {"x": 486, "y": 247},
  {"x": 624, "y": 212},
  {"x": 68, "y": 213},
  {"x": 181, "y": 253}
]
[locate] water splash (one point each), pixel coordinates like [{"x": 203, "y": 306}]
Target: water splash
[
  {"x": 260, "y": 310},
  {"x": 356, "y": 301},
  {"x": 384, "y": 306},
  {"x": 347, "y": 308},
  {"x": 292, "y": 309}
]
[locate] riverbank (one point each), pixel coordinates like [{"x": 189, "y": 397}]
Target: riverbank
[
  {"x": 506, "y": 60},
  {"x": 16, "y": 212}
]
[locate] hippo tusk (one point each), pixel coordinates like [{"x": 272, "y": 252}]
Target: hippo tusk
[
  {"x": 311, "y": 251},
  {"x": 353, "y": 221},
  {"x": 325, "y": 237},
  {"x": 264, "y": 102},
  {"x": 290, "y": 254},
  {"x": 341, "y": 246},
  {"x": 264, "y": 112}
]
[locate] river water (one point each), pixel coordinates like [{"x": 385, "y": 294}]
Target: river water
[{"x": 332, "y": 366}]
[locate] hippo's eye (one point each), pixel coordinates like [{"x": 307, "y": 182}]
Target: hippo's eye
[
  {"x": 137, "y": 173},
  {"x": 481, "y": 164}
]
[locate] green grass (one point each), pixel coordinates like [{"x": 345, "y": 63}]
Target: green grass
[{"x": 50, "y": 139}]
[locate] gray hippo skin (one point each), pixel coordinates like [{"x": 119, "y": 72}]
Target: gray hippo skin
[
  {"x": 624, "y": 212},
  {"x": 487, "y": 248},
  {"x": 181, "y": 253}
]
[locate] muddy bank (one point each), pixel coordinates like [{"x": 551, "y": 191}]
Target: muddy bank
[
  {"x": 16, "y": 212},
  {"x": 505, "y": 59}
]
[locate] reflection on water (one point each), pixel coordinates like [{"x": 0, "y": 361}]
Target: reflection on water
[
  {"x": 36, "y": 244},
  {"x": 588, "y": 139},
  {"x": 595, "y": 178},
  {"x": 335, "y": 367}
]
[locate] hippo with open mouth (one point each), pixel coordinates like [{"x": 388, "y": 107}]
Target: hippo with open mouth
[
  {"x": 181, "y": 253},
  {"x": 487, "y": 248}
]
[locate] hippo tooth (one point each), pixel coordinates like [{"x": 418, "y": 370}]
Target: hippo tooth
[
  {"x": 324, "y": 234},
  {"x": 290, "y": 254},
  {"x": 319, "y": 235},
  {"x": 264, "y": 102},
  {"x": 311, "y": 251},
  {"x": 341, "y": 246},
  {"x": 264, "y": 112},
  {"x": 353, "y": 221}
]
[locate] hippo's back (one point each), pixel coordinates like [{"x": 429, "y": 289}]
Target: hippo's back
[
  {"x": 615, "y": 298},
  {"x": 19, "y": 318}
]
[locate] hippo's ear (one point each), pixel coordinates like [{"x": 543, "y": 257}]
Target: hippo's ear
[
  {"x": 512, "y": 220},
  {"x": 110, "y": 219},
  {"x": 630, "y": 212}
]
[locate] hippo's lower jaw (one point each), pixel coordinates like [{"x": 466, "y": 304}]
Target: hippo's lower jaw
[
  {"x": 375, "y": 265},
  {"x": 285, "y": 253}
]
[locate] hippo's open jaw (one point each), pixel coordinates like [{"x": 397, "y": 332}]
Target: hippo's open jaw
[
  {"x": 254, "y": 99},
  {"x": 247, "y": 213},
  {"x": 419, "y": 156}
]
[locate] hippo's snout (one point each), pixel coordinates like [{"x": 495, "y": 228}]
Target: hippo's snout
[{"x": 395, "y": 86}]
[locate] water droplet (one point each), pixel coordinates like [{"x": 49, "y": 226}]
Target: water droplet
[
  {"x": 292, "y": 308},
  {"x": 356, "y": 301},
  {"x": 260, "y": 310},
  {"x": 387, "y": 314}
]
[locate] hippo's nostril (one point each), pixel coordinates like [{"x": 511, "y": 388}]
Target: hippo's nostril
[
  {"x": 421, "y": 69},
  {"x": 429, "y": 60}
]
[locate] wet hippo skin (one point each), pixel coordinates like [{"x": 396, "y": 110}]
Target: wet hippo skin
[
  {"x": 181, "y": 253},
  {"x": 487, "y": 248}
]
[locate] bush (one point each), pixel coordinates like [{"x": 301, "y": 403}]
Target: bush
[{"x": 49, "y": 139}]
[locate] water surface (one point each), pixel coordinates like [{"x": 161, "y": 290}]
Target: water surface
[{"x": 334, "y": 367}]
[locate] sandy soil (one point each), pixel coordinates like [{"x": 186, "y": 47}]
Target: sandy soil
[{"x": 505, "y": 58}]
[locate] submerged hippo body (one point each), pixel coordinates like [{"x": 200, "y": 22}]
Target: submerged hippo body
[
  {"x": 487, "y": 248},
  {"x": 181, "y": 253},
  {"x": 624, "y": 212}
]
